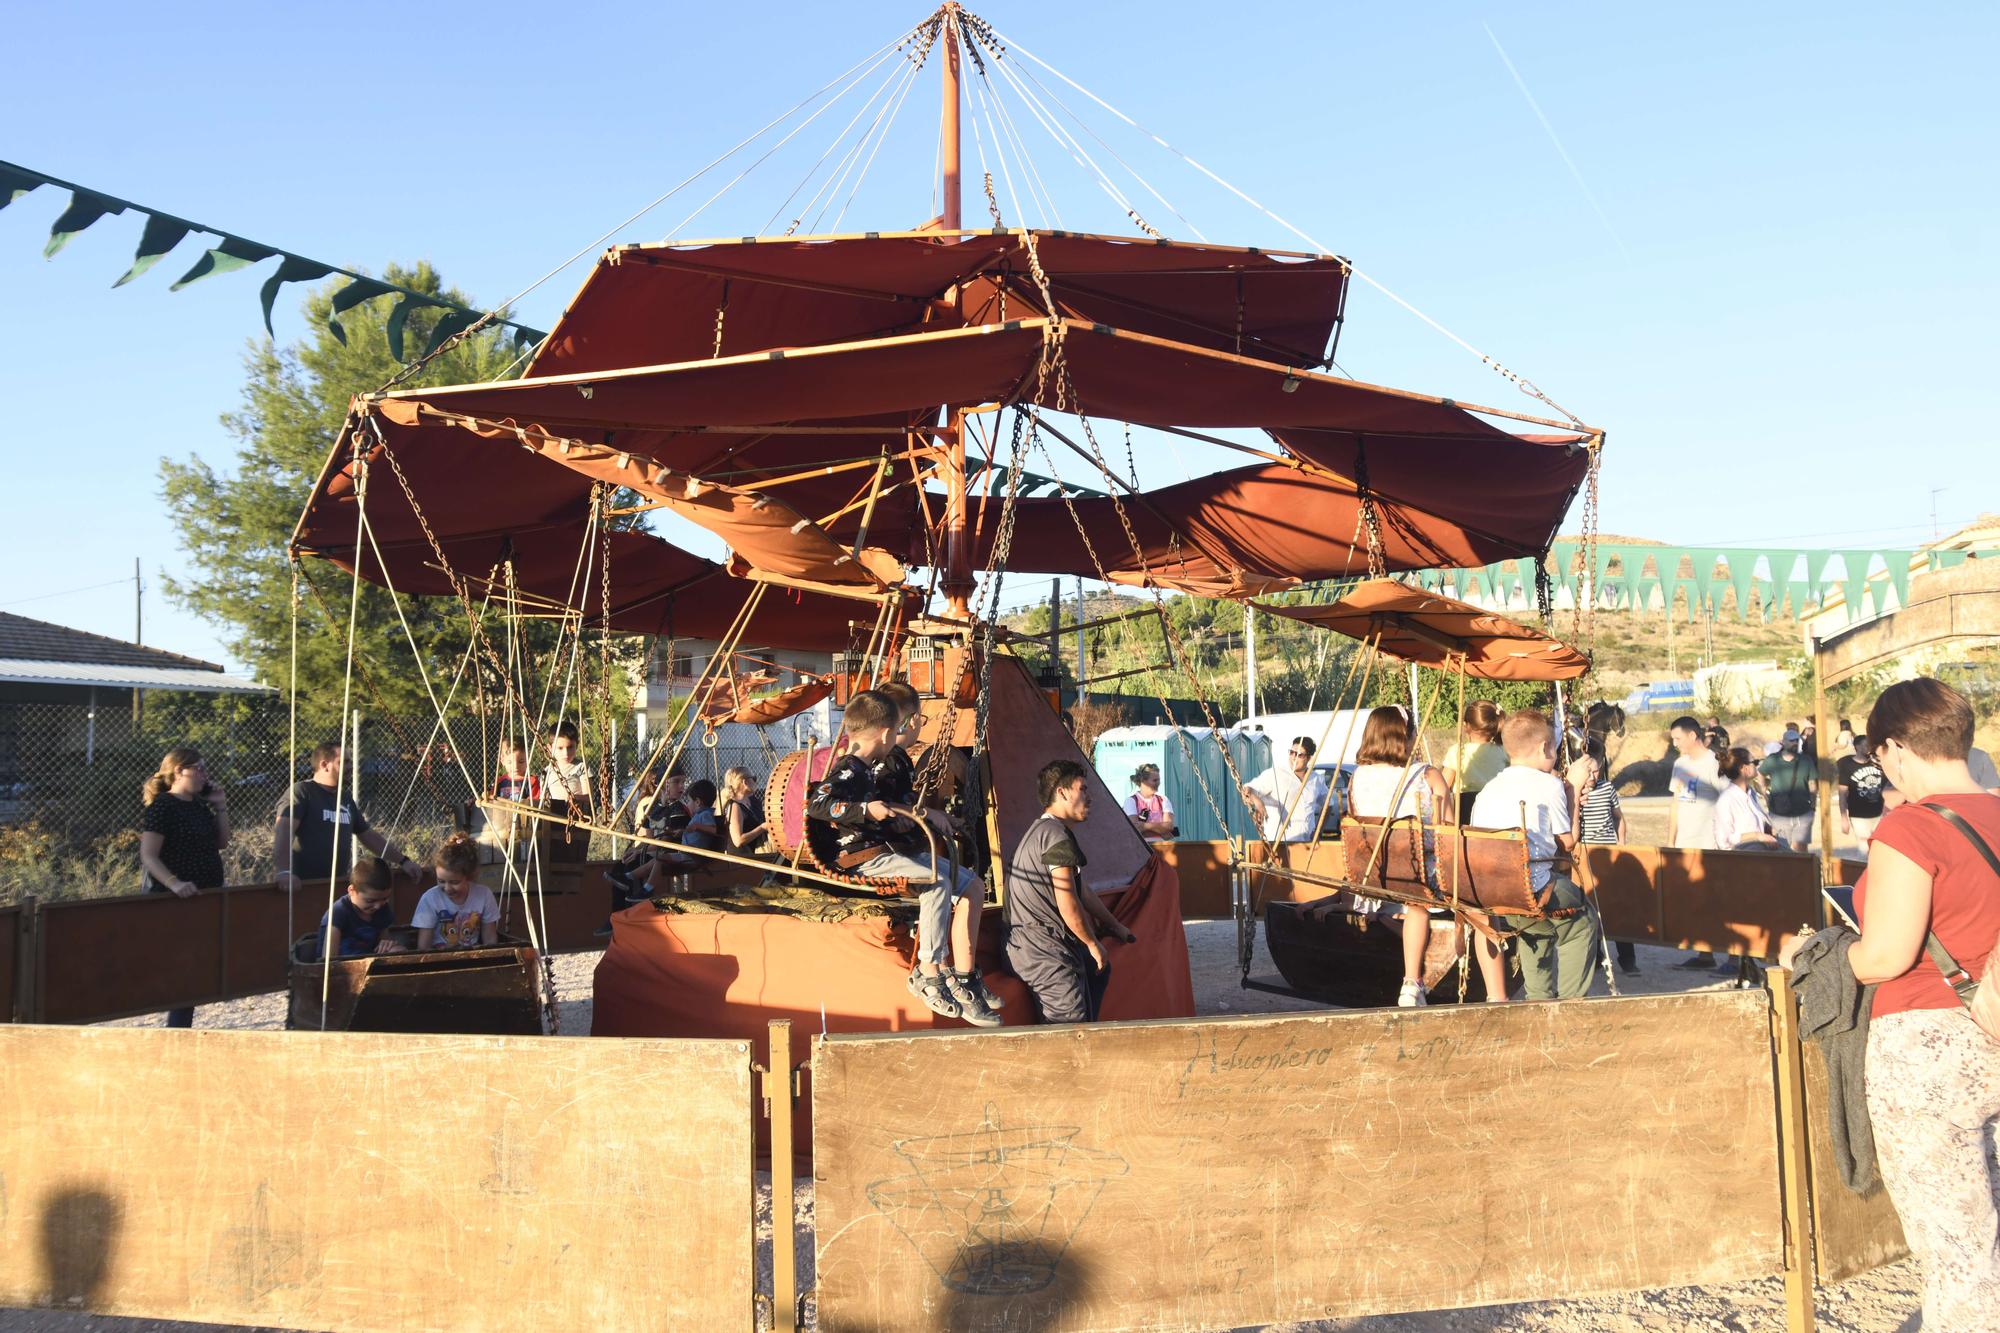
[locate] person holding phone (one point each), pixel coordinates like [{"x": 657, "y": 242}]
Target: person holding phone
[{"x": 182, "y": 834}]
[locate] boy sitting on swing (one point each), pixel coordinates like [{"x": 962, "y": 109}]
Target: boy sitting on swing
[{"x": 873, "y": 839}]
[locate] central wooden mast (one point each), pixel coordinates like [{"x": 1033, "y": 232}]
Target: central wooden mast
[{"x": 958, "y": 582}]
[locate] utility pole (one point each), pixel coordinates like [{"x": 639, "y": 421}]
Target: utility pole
[
  {"x": 1055, "y": 634},
  {"x": 1249, "y": 663},
  {"x": 1080, "y": 618},
  {"x": 138, "y": 637}
]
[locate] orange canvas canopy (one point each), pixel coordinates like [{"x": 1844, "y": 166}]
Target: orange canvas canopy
[
  {"x": 656, "y": 304},
  {"x": 819, "y": 409},
  {"x": 1434, "y": 630}
]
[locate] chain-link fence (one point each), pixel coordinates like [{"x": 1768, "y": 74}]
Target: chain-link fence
[{"x": 70, "y": 775}]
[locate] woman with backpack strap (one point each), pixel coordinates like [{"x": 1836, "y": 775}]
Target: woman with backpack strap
[{"x": 1929, "y": 910}]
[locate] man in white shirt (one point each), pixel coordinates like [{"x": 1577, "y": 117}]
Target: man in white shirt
[
  {"x": 1288, "y": 797},
  {"x": 1559, "y": 956},
  {"x": 1695, "y": 785}
]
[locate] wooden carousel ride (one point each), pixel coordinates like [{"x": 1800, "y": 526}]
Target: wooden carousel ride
[{"x": 845, "y": 410}]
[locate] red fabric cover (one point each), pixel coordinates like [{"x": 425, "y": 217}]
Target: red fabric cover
[
  {"x": 728, "y": 975},
  {"x": 1454, "y": 489},
  {"x": 654, "y": 304},
  {"x": 1490, "y": 647},
  {"x": 1965, "y": 908}
]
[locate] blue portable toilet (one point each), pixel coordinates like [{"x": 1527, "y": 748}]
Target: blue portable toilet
[{"x": 1189, "y": 759}]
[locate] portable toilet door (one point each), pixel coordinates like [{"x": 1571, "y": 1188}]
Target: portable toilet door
[
  {"x": 1197, "y": 782},
  {"x": 1250, "y": 751}
]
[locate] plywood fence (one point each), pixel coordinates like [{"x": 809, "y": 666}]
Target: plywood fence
[
  {"x": 362, "y": 1181},
  {"x": 1223, "y": 1172}
]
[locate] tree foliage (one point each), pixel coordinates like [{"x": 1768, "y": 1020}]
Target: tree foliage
[{"x": 235, "y": 522}]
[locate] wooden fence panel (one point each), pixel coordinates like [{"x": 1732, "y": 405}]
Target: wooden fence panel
[
  {"x": 1745, "y": 903},
  {"x": 1223, "y": 1172},
  {"x": 366, "y": 1181}
]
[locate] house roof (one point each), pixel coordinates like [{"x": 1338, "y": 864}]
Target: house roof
[
  {"x": 27, "y": 671},
  {"x": 25, "y": 640}
]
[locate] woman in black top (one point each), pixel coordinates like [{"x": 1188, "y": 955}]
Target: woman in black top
[
  {"x": 745, "y": 824},
  {"x": 183, "y": 832}
]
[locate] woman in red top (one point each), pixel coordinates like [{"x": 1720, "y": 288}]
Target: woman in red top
[{"x": 1931, "y": 1071}]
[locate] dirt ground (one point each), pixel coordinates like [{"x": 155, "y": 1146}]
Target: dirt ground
[{"x": 1885, "y": 1301}]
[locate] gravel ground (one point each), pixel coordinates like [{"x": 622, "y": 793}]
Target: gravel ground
[{"x": 1884, "y": 1301}]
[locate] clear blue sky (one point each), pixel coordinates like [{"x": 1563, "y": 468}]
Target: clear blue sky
[{"x": 1770, "y": 275}]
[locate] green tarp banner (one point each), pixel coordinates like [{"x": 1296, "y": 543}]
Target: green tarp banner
[
  {"x": 163, "y": 231},
  {"x": 1798, "y": 580}
]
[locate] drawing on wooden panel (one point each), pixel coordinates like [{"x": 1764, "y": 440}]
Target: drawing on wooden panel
[{"x": 992, "y": 1211}]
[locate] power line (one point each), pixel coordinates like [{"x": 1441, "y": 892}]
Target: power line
[{"x": 67, "y": 592}]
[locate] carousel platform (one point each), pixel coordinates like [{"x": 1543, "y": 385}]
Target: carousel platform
[{"x": 726, "y": 966}]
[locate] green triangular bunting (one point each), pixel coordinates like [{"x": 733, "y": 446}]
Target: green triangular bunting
[
  {"x": 161, "y": 235},
  {"x": 85, "y": 207}
]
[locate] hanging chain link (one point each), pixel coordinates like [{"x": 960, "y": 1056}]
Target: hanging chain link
[{"x": 721, "y": 310}]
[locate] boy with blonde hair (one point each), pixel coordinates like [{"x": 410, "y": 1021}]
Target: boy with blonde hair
[{"x": 1558, "y": 957}]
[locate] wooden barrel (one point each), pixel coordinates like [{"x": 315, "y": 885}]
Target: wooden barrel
[
  {"x": 785, "y": 795},
  {"x": 1329, "y": 951}
]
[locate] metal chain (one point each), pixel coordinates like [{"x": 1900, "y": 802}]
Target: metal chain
[
  {"x": 1052, "y": 357},
  {"x": 993, "y": 207},
  {"x": 601, "y": 503},
  {"x": 721, "y": 309},
  {"x": 1371, "y": 515}
]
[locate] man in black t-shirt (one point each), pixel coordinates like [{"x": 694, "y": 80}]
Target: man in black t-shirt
[
  {"x": 1053, "y": 919},
  {"x": 315, "y": 835},
  {"x": 1861, "y": 789}
]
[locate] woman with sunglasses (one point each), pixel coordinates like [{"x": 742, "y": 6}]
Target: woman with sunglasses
[{"x": 1933, "y": 1075}]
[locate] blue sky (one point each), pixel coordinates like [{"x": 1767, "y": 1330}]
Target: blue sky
[{"x": 1770, "y": 275}]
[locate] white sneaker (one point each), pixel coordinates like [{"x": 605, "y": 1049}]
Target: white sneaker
[{"x": 1412, "y": 996}]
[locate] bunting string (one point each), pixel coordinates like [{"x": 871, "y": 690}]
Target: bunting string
[{"x": 163, "y": 231}]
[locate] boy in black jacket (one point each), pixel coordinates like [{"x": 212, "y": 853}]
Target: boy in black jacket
[{"x": 871, "y": 838}]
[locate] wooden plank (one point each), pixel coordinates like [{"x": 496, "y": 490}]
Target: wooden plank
[
  {"x": 361, "y": 1181},
  {"x": 1852, "y": 1233},
  {"x": 1744, "y": 903},
  {"x": 1203, "y": 868},
  {"x": 1224, "y": 1172}
]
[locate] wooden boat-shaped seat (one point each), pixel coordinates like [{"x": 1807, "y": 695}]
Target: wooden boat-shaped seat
[
  {"x": 1486, "y": 870},
  {"x": 492, "y": 989}
]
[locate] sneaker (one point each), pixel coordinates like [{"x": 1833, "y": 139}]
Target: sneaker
[
  {"x": 931, "y": 990},
  {"x": 603, "y": 932},
  {"x": 975, "y": 1005},
  {"x": 1700, "y": 960},
  {"x": 977, "y": 982},
  {"x": 1629, "y": 969},
  {"x": 1412, "y": 996}
]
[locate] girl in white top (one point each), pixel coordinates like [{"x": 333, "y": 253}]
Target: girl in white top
[
  {"x": 1387, "y": 784},
  {"x": 1741, "y": 825},
  {"x": 1148, "y": 808}
]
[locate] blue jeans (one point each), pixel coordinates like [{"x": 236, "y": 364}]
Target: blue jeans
[{"x": 954, "y": 881}]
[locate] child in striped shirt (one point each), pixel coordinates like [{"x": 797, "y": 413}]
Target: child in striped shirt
[{"x": 1600, "y": 818}]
